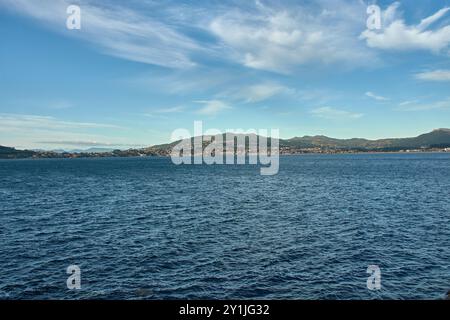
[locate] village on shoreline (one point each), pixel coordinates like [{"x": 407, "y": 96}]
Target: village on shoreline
[
  {"x": 437, "y": 141},
  {"x": 166, "y": 153}
]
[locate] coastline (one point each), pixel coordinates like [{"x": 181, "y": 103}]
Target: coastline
[{"x": 62, "y": 157}]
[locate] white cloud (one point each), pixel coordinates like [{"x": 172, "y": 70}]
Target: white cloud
[
  {"x": 25, "y": 122},
  {"x": 116, "y": 31},
  {"x": 437, "y": 75},
  {"x": 272, "y": 37},
  {"x": 427, "y": 22},
  {"x": 416, "y": 106},
  {"x": 396, "y": 35},
  {"x": 257, "y": 93},
  {"x": 60, "y": 105},
  {"x": 30, "y": 131},
  {"x": 335, "y": 114},
  {"x": 283, "y": 38},
  {"x": 212, "y": 107},
  {"x": 170, "y": 110},
  {"x": 407, "y": 103},
  {"x": 376, "y": 97},
  {"x": 90, "y": 143},
  {"x": 161, "y": 113}
]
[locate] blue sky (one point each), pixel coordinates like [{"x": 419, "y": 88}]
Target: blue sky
[{"x": 137, "y": 70}]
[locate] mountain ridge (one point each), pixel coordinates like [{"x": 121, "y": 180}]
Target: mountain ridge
[{"x": 438, "y": 139}]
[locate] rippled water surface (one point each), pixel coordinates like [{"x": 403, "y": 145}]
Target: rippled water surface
[{"x": 147, "y": 229}]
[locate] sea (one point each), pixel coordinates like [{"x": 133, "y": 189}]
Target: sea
[{"x": 144, "y": 228}]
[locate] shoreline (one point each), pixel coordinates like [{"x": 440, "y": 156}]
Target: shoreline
[{"x": 281, "y": 155}]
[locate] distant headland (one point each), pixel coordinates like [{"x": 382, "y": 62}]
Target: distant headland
[{"x": 436, "y": 141}]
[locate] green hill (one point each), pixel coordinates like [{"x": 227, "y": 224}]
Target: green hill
[
  {"x": 437, "y": 139},
  {"x": 11, "y": 153}
]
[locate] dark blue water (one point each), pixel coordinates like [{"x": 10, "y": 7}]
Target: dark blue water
[{"x": 146, "y": 229}]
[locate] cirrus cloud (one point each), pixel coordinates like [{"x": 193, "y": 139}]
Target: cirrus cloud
[
  {"x": 282, "y": 39},
  {"x": 335, "y": 114},
  {"x": 376, "y": 97},
  {"x": 212, "y": 107},
  {"x": 437, "y": 75},
  {"x": 116, "y": 30}
]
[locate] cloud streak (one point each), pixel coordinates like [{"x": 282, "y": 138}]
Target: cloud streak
[
  {"x": 36, "y": 131},
  {"x": 87, "y": 143},
  {"x": 335, "y": 114},
  {"x": 376, "y": 97},
  {"x": 257, "y": 92},
  {"x": 212, "y": 107},
  {"x": 24, "y": 122},
  {"x": 416, "y": 106},
  {"x": 437, "y": 75}
]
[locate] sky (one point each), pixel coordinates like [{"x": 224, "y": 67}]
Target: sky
[{"x": 138, "y": 70}]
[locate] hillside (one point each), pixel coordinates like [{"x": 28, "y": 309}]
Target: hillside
[
  {"x": 11, "y": 153},
  {"x": 439, "y": 138},
  {"x": 434, "y": 141}
]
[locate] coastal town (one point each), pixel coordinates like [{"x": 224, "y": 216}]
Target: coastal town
[{"x": 165, "y": 151}]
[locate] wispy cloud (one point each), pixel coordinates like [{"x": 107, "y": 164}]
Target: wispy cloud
[
  {"x": 186, "y": 81},
  {"x": 376, "y": 97},
  {"x": 397, "y": 35},
  {"x": 257, "y": 92},
  {"x": 37, "y": 131},
  {"x": 334, "y": 114},
  {"x": 164, "y": 111},
  {"x": 170, "y": 110},
  {"x": 87, "y": 143},
  {"x": 212, "y": 107},
  {"x": 60, "y": 105},
  {"x": 437, "y": 75},
  {"x": 282, "y": 38},
  {"x": 116, "y": 30},
  {"x": 417, "y": 106},
  {"x": 408, "y": 102},
  {"x": 45, "y": 122},
  {"x": 264, "y": 36}
]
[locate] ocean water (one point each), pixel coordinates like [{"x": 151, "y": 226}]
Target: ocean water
[{"x": 147, "y": 229}]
